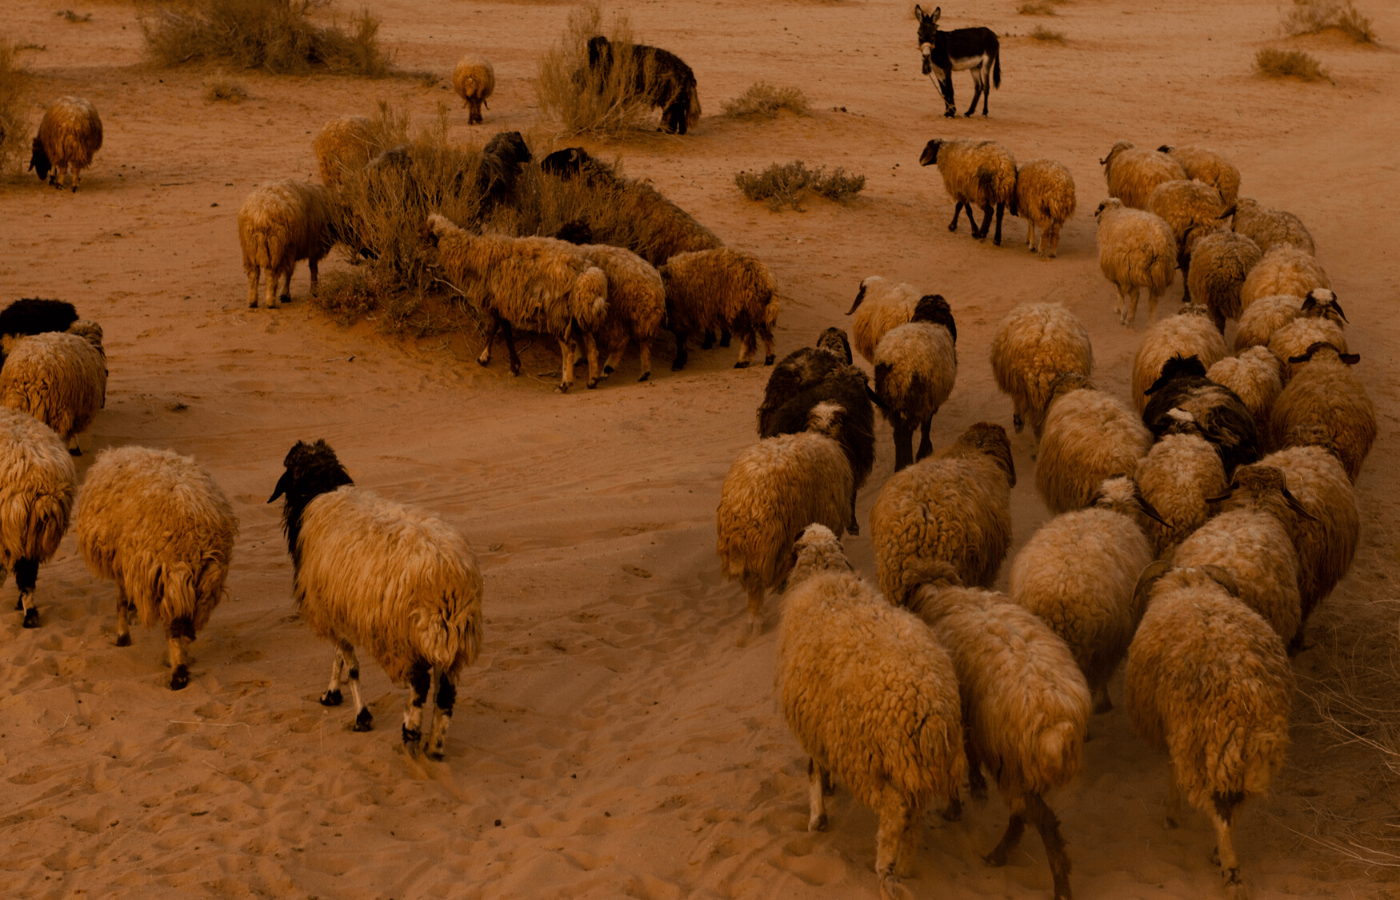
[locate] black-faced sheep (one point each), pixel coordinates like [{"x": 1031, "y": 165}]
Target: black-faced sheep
[
  {"x": 1220, "y": 261},
  {"x": 1136, "y": 250},
  {"x": 1320, "y": 321},
  {"x": 975, "y": 173},
  {"x": 1133, "y": 174},
  {"x": 1089, "y": 437},
  {"x": 37, "y": 486},
  {"x": 873, "y": 699},
  {"x": 1326, "y": 399},
  {"x": 1033, "y": 344},
  {"x": 1268, "y": 228},
  {"x": 69, "y": 134},
  {"x": 396, "y": 580},
  {"x": 1255, "y": 376},
  {"x": 33, "y": 315},
  {"x": 1208, "y": 166},
  {"x": 878, "y": 307},
  {"x": 474, "y": 80},
  {"x": 1177, "y": 476},
  {"x": 59, "y": 378},
  {"x": 915, "y": 366},
  {"x": 156, "y": 523},
  {"x": 499, "y": 171},
  {"x": 1188, "y": 333},
  {"x": 660, "y": 77},
  {"x": 1223, "y": 418},
  {"x": 1044, "y": 197},
  {"x": 721, "y": 289},
  {"x": 279, "y": 224},
  {"x": 1282, "y": 270}
]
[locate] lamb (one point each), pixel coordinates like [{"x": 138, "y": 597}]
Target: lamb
[
  {"x": 1033, "y": 344},
  {"x": 1044, "y": 197},
  {"x": 154, "y": 522},
  {"x": 1223, "y": 418},
  {"x": 1325, "y": 398},
  {"x": 36, "y": 496},
  {"x": 1208, "y": 166},
  {"x": 1219, "y": 264},
  {"x": 474, "y": 79},
  {"x": 873, "y": 699},
  {"x": 1077, "y": 573},
  {"x": 1025, "y": 703},
  {"x": 33, "y": 315},
  {"x": 915, "y": 366},
  {"x": 1208, "y": 681},
  {"x": 279, "y": 224},
  {"x": 59, "y": 378},
  {"x": 636, "y": 304},
  {"x": 1133, "y": 174},
  {"x": 396, "y": 580},
  {"x": 659, "y": 77},
  {"x": 882, "y": 306},
  {"x": 343, "y": 147},
  {"x": 954, "y": 507},
  {"x": 1177, "y": 476},
  {"x": 69, "y": 134},
  {"x": 1089, "y": 437},
  {"x": 773, "y": 490},
  {"x": 1255, "y": 377},
  {"x": 1267, "y": 227},
  {"x": 1282, "y": 270},
  {"x": 1192, "y": 209},
  {"x": 721, "y": 289},
  {"x": 1136, "y": 250},
  {"x": 538, "y": 284},
  {"x": 975, "y": 173},
  {"x": 1188, "y": 333}
]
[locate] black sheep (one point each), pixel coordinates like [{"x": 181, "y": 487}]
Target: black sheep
[
  {"x": 35, "y": 315},
  {"x": 499, "y": 171},
  {"x": 1223, "y": 418},
  {"x": 659, "y": 76}
]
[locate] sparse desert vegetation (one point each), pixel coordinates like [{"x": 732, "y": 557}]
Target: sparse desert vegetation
[
  {"x": 1273, "y": 63},
  {"x": 16, "y": 85},
  {"x": 1316, "y": 16},
  {"x": 786, "y": 184},
  {"x": 224, "y": 90},
  {"x": 1047, "y": 35},
  {"x": 764, "y": 101},
  {"x": 582, "y": 100}
]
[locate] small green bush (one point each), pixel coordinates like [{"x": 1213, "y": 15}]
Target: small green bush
[
  {"x": 1315, "y": 16},
  {"x": 763, "y": 100},
  {"x": 785, "y": 184},
  {"x": 1288, "y": 64}
]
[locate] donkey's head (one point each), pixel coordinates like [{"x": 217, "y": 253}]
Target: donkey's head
[{"x": 928, "y": 27}]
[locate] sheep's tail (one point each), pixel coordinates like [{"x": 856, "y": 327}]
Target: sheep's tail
[
  {"x": 44, "y": 518},
  {"x": 178, "y": 600},
  {"x": 1061, "y": 748},
  {"x": 590, "y": 298},
  {"x": 996, "y": 69},
  {"x": 450, "y": 636},
  {"x": 692, "y": 112}
]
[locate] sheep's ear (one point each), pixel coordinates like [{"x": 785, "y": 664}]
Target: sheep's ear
[
  {"x": 1227, "y": 213},
  {"x": 1149, "y": 510},
  {"x": 1223, "y": 578},
  {"x": 874, "y": 397},
  {"x": 1296, "y": 506},
  {"x": 1229, "y": 492},
  {"x": 860, "y": 295},
  {"x": 1145, "y": 581},
  {"x": 1350, "y": 359},
  {"x": 283, "y": 484},
  {"x": 1309, "y": 302},
  {"x": 1165, "y": 148}
]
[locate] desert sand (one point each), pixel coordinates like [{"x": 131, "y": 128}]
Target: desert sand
[{"x": 612, "y": 740}]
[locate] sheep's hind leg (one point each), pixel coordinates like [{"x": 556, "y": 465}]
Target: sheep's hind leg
[
  {"x": 363, "y": 717},
  {"x": 681, "y": 355},
  {"x": 925, "y": 445},
  {"x": 420, "y": 679},
  {"x": 981, "y": 232},
  {"x": 445, "y": 699},
  {"x": 816, "y": 798},
  {"x": 566, "y": 369},
  {"x": 644, "y": 351},
  {"x": 615, "y": 356},
  {"x": 590, "y": 351},
  {"x": 755, "y": 590},
  {"x": 748, "y": 344},
  {"x": 1220, "y": 817},
  {"x": 485, "y": 358},
  {"x": 26, "y": 573},
  {"x": 895, "y": 821},
  {"x": 1044, "y": 820},
  {"x": 178, "y": 634},
  {"x": 509, "y": 335},
  {"x": 123, "y": 617},
  {"x": 333, "y": 696},
  {"x": 903, "y": 443},
  {"x": 1014, "y": 829},
  {"x": 996, "y": 238},
  {"x": 253, "y": 274}
]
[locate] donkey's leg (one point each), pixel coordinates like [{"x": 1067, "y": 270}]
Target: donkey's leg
[{"x": 978, "y": 86}]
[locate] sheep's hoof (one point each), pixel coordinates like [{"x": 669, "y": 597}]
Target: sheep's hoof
[
  {"x": 363, "y": 720},
  {"x": 678, "y": 364},
  {"x": 563, "y": 388},
  {"x": 123, "y": 640},
  {"x": 284, "y": 299},
  {"x": 483, "y": 360},
  {"x": 180, "y": 678},
  {"x": 31, "y": 617},
  {"x": 769, "y": 359},
  {"x": 412, "y": 737},
  {"x": 950, "y": 115},
  {"x": 953, "y": 228},
  {"x": 1170, "y": 824},
  {"x": 75, "y": 451},
  {"x": 436, "y": 755},
  {"x": 724, "y": 339},
  {"x": 592, "y": 383},
  {"x": 332, "y": 698},
  {"x": 253, "y": 305},
  {"x": 645, "y": 376},
  {"x": 515, "y": 370},
  {"x": 607, "y": 370},
  {"x": 19, "y": 604},
  {"x": 817, "y": 823},
  {"x": 997, "y": 241},
  {"x": 742, "y": 364},
  {"x": 854, "y": 530}
]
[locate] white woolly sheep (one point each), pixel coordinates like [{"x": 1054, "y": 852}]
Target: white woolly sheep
[
  {"x": 37, "y": 485},
  {"x": 59, "y": 378},
  {"x": 1208, "y": 681},
  {"x": 1263, "y": 317},
  {"x": 396, "y": 580},
  {"x": 1078, "y": 571},
  {"x": 281, "y": 223},
  {"x": 154, "y": 522},
  {"x": 915, "y": 366},
  {"x": 1326, "y": 398},
  {"x": 535, "y": 284},
  {"x": 1033, "y": 344},
  {"x": 721, "y": 289},
  {"x": 1136, "y": 250},
  {"x": 474, "y": 79},
  {"x": 1044, "y": 197},
  {"x": 1025, "y": 703},
  {"x": 1192, "y": 209},
  {"x": 1176, "y": 476},
  {"x": 1256, "y": 378},
  {"x": 343, "y": 147},
  {"x": 1282, "y": 270},
  {"x": 1208, "y": 166},
  {"x": 1320, "y": 321},
  {"x": 1267, "y": 316},
  {"x": 978, "y": 174},
  {"x": 882, "y": 306},
  {"x": 954, "y": 507},
  {"x": 1089, "y": 437},
  {"x": 69, "y": 134},
  {"x": 1219, "y": 263},
  {"x": 872, "y": 697},
  {"x": 773, "y": 490},
  {"x": 1188, "y": 333},
  {"x": 1267, "y": 227},
  {"x": 1133, "y": 174},
  {"x": 636, "y": 304}
]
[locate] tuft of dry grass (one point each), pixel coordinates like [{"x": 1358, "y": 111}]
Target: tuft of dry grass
[
  {"x": 763, "y": 100},
  {"x": 277, "y": 36},
  {"x": 1316, "y": 16},
  {"x": 785, "y": 184},
  {"x": 1273, "y": 63},
  {"x": 74, "y": 18},
  {"x": 224, "y": 90},
  {"x": 1039, "y": 7},
  {"x": 1041, "y": 33},
  {"x": 15, "y": 84}
]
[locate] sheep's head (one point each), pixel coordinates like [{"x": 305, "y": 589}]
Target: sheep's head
[
  {"x": 509, "y": 147},
  {"x": 311, "y": 470},
  {"x": 1122, "y": 495},
  {"x": 1177, "y": 367},
  {"x": 1165, "y": 148},
  {"x": 1320, "y": 303},
  {"x": 1113, "y": 153},
  {"x": 575, "y": 231},
  {"x": 1261, "y": 486},
  {"x": 826, "y": 418},
  {"x": 1064, "y": 383},
  {"x": 930, "y": 154},
  {"x": 1109, "y": 204},
  {"x": 834, "y": 341},
  {"x": 565, "y": 163},
  {"x": 920, "y": 583},
  {"x": 860, "y": 294},
  {"x": 1324, "y": 350},
  {"x": 985, "y": 439},
  {"x": 933, "y": 308},
  {"x": 39, "y": 160},
  {"x": 89, "y": 331},
  {"x": 817, "y": 549},
  {"x": 599, "y": 51},
  {"x": 1261, "y": 353}
]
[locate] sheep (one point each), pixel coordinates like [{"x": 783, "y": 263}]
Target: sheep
[
  {"x": 1282, "y": 270},
  {"x": 636, "y": 304},
  {"x": 69, "y": 134},
  {"x": 1188, "y": 333},
  {"x": 1320, "y": 320},
  {"x": 343, "y": 147},
  {"x": 1208, "y": 681},
  {"x": 1208, "y": 166},
  {"x": 915, "y": 367},
  {"x": 1044, "y": 197},
  {"x": 1219, "y": 263},
  {"x": 659, "y": 77},
  {"x": 36, "y": 496},
  {"x": 872, "y": 697},
  {"x": 498, "y": 171},
  {"x": 394, "y": 579},
  {"x": 1267, "y": 227},
  {"x": 975, "y": 173},
  {"x": 1133, "y": 174},
  {"x": 882, "y": 306},
  {"x": 279, "y": 224},
  {"x": 1325, "y": 398},
  {"x": 1025, "y": 703},
  {"x": 154, "y": 522},
  {"x": 1176, "y": 476},
  {"x": 1249, "y": 542},
  {"x": 33, "y": 315},
  {"x": 1223, "y": 418},
  {"x": 1033, "y": 344},
  {"x": 538, "y": 284},
  {"x": 954, "y": 507},
  {"x": 1089, "y": 437},
  {"x": 474, "y": 79},
  {"x": 1136, "y": 250},
  {"x": 1267, "y": 316},
  {"x": 1077, "y": 573},
  {"x": 1263, "y": 317},
  {"x": 1192, "y": 209},
  {"x": 810, "y": 376},
  {"x": 1255, "y": 377},
  {"x": 773, "y": 490},
  {"x": 721, "y": 288},
  {"x": 59, "y": 378}
]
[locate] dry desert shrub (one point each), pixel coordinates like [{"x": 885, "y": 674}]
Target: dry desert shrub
[
  {"x": 277, "y": 36},
  {"x": 15, "y": 81},
  {"x": 580, "y": 100},
  {"x": 1315, "y": 16},
  {"x": 1041, "y": 33},
  {"x": 1273, "y": 63},
  {"x": 763, "y": 100},
  {"x": 224, "y": 90},
  {"x": 74, "y": 18},
  {"x": 1039, "y": 7},
  {"x": 785, "y": 184}
]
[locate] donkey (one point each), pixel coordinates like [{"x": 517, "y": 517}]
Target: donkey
[{"x": 963, "y": 48}]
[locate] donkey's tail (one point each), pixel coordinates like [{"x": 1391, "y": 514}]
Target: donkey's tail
[{"x": 996, "y": 69}]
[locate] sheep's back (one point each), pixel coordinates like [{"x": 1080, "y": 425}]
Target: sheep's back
[
  {"x": 1210, "y": 167},
  {"x": 1133, "y": 174},
  {"x": 343, "y": 147},
  {"x": 1326, "y": 394},
  {"x": 1220, "y": 261},
  {"x": 915, "y": 366},
  {"x": 1089, "y": 436},
  {"x": 1136, "y": 247},
  {"x": 58, "y": 378},
  {"x": 982, "y": 173},
  {"x": 1253, "y": 547},
  {"x": 38, "y": 482},
  {"x": 71, "y": 132},
  {"x": 1326, "y": 544},
  {"x": 474, "y": 78},
  {"x": 1033, "y": 344},
  {"x": 636, "y": 295},
  {"x": 1283, "y": 270},
  {"x": 1045, "y": 191},
  {"x": 885, "y": 306},
  {"x": 1176, "y": 476},
  {"x": 283, "y": 222}
]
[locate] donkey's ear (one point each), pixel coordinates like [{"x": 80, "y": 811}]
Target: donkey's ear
[
  {"x": 937, "y": 11},
  {"x": 918, "y": 12}
]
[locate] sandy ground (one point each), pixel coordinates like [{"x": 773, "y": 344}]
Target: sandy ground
[{"x": 613, "y": 740}]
